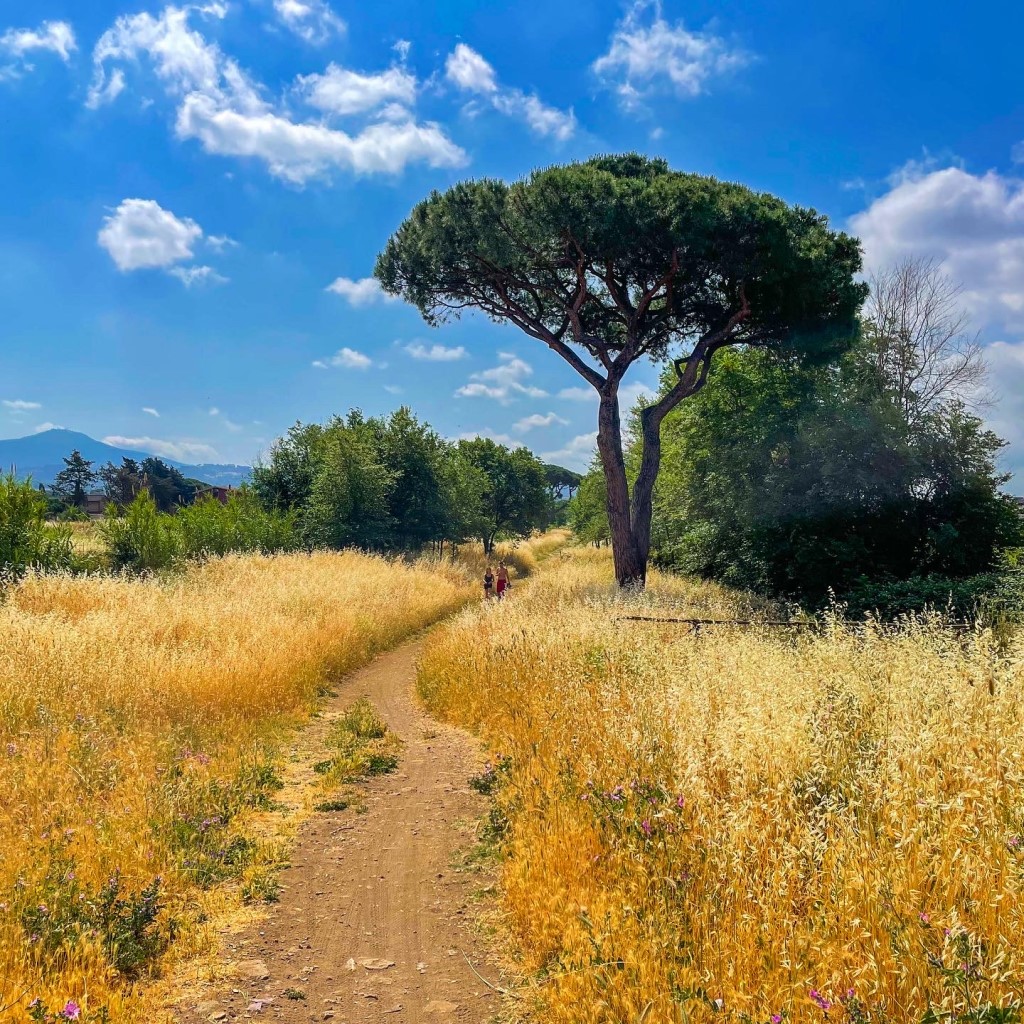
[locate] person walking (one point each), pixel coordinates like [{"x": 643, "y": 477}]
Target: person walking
[
  {"x": 503, "y": 583},
  {"x": 488, "y": 582}
]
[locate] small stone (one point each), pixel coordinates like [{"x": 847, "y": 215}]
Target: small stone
[
  {"x": 254, "y": 969},
  {"x": 375, "y": 963},
  {"x": 440, "y": 1006}
]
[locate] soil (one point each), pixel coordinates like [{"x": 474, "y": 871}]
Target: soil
[{"x": 376, "y": 918}]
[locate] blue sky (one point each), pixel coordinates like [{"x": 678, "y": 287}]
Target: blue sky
[{"x": 191, "y": 196}]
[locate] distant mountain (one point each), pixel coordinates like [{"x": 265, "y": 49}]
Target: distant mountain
[{"x": 41, "y": 456}]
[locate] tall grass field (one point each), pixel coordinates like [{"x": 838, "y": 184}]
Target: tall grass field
[
  {"x": 140, "y": 724},
  {"x": 743, "y": 824}
]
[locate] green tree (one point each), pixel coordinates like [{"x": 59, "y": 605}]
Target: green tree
[
  {"x": 800, "y": 480},
  {"x": 562, "y": 482},
  {"x": 167, "y": 485},
  {"x": 122, "y": 483},
  {"x": 619, "y": 259},
  {"x": 72, "y": 483},
  {"x": 412, "y": 453},
  {"x": 515, "y": 500},
  {"x": 348, "y": 498},
  {"x": 588, "y": 512}
]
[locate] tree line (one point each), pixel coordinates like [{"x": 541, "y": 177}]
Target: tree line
[
  {"x": 389, "y": 484},
  {"x": 394, "y": 484}
]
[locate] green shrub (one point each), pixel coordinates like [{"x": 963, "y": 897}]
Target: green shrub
[
  {"x": 211, "y": 528},
  {"x": 140, "y": 538},
  {"x": 26, "y": 540}
]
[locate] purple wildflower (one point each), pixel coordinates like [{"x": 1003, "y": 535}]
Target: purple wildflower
[
  {"x": 822, "y": 1002},
  {"x": 924, "y": 918},
  {"x": 646, "y": 827},
  {"x": 71, "y": 1010},
  {"x": 776, "y": 1018}
]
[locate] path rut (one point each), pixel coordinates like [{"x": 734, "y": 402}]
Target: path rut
[{"x": 373, "y": 923}]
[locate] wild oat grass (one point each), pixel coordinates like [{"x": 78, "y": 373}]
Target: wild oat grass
[
  {"x": 139, "y": 725},
  {"x": 745, "y": 824}
]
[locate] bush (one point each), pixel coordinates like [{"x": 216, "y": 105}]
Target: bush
[
  {"x": 141, "y": 538},
  {"x": 26, "y": 541},
  {"x": 991, "y": 597},
  {"x": 242, "y": 524}
]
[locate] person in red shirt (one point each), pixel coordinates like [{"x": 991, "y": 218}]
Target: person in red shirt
[{"x": 503, "y": 583}]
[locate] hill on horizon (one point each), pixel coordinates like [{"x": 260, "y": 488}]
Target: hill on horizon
[{"x": 40, "y": 456}]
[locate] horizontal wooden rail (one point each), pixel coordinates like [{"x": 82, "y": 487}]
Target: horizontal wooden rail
[{"x": 774, "y": 623}]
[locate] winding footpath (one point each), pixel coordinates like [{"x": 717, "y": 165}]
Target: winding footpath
[{"x": 375, "y": 920}]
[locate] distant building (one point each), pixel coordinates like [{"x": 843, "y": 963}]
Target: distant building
[
  {"x": 221, "y": 494},
  {"x": 96, "y": 504}
]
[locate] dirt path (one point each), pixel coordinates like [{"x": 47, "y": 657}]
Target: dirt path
[{"x": 373, "y": 920}]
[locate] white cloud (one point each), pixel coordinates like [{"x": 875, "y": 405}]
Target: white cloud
[
  {"x": 20, "y": 405},
  {"x": 141, "y": 233},
  {"x": 502, "y": 382},
  {"x": 220, "y": 242},
  {"x": 150, "y": 411},
  {"x": 628, "y": 394},
  {"x": 347, "y": 358},
  {"x": 578, "y": 394},
  {"x": 299, "y": 152},
  {"x": 182, "y": 59},
  {"x": 214, "y": 411},
  {"x": 235, "y": 428},
  {"x": 341, "y": 91},
  {"x": 539, "y": 420},
  {"x": 467, "y": 70},
  {"x": 973, "y": 223},
  {"x": 648, "y": 53},
  {"x": 39, "y": 428},
  {"x": 364, "y": 292},
  {"x": 52, "y": 36},
  {"x": 436, "y": 353},
  {"x": 575, "y": 454},
  {"x": 181, "y": 451},
  {"x": 393, "y": 389},
  {"x": 224, "y": 109},
  {"x": 311, "y": 20},
  {"x": 190, "y": 276},
  {"x": 402, "y": 48},
  {"x": 1017, "y": 153}
]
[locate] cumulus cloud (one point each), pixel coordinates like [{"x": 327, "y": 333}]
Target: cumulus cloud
[
  {"x": 345, "y": 358},
  {"x": 467, "y": 70},
  {"x": 648, "y": 54},
  {"x": 181, "y": 451},
  {"x": 150, "y": 411},
  {"x": 52, "y": 36},
  {"x": 222, "y": 108},
  {"x": 491, "y": 435},
  {"x": 342, "y": 91},
  {"x": 313, "y": 21},
  {"x": 298, "y": 152},
  {"x": 502, "y": 382},
  {"x": 39, "y": 428},
  {"x": 140, "y": 234},
  {"x": 220, "y": 242},
  {"x": 20, "y": 405},
  {"x": 539, "y": 420},
  {"x": 435, "y": 353},
  {"x": 364, "y": 292},
  {"x": 973, "y": 223},
  {"x": 575, "y": 454}
]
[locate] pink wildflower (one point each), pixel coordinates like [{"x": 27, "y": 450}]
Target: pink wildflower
[
  {"x": 71, "y": 1010},
  {"x": 821, "y": 1001}
]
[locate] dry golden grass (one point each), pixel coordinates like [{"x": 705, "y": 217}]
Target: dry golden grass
[
  {"x": 140, "y": 723},
  {"x": 744, "y": 824}
]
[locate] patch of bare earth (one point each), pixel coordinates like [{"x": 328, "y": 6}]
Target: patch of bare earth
[{"x": 374, "y": 922}]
